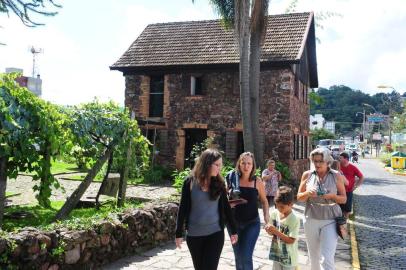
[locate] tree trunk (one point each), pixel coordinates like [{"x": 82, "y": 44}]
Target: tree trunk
[
  {"x": 122, "y": 188},
  {"x": 3, "y": 186},
  {"x": 242, "y": 29},
  {"x": 255, "y": 54},
  {"x": 78, "y": 193},
  {"x": 43, "y": 199},
  {"x": 106, "y": 176},
  {"x": 259, "y": 12}
]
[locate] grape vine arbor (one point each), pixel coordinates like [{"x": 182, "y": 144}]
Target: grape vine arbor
[{"x": 33, "y": 132}]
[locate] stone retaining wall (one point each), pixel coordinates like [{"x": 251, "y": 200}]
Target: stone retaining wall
[{"x": 87, "y": 249}]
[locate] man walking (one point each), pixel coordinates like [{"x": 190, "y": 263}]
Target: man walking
[{"x": 350, "y": 172}]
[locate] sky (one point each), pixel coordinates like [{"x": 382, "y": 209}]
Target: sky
[{"x": 363, "y": 46}]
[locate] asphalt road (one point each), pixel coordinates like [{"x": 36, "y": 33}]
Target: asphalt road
[{"x": 380, "y": 217}]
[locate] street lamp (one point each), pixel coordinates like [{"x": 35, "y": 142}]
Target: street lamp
[
  {"x": 369, "y": 105},
  {"x": 363, "y": 123},
  {"x": 386, "y": 87},
  {"x": 375, "y": 111},
  {"x": 389, "y": 102}
]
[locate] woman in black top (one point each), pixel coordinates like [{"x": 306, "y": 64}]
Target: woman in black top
[
  {"x": 248, "y": 224},
  {"x": 204, "y": 209}
]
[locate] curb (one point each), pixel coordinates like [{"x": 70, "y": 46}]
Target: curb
[
  {"x": 389, "y": 169},
  {"x": 354, "y": 247}
]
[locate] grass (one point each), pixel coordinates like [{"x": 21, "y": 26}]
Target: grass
[
  {"x": 78, "y": 219},
  {"x": 11, "y": 194},
  {"x": 58, "y": 167}
]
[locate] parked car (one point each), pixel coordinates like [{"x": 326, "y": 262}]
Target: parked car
[
  {"x": 352, "y": 146},
  {"x": 325, "y": 143}
]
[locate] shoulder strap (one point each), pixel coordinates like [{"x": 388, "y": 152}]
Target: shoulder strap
[{"x": 233, "y": 180}]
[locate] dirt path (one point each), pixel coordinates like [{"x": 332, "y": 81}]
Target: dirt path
[{"x": 23, "y": 186}]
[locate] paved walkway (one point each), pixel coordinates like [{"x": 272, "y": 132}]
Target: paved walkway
[{"x": 168, "y": 257}]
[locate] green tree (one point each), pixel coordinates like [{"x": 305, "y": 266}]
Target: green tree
[
  {"x": 399, "y": 120},
  {"x": 319, "y": 134},
  {"x": 249, "y": 19},
  {"x": 24, "y": 9},
  {"x": 31, "y": 132},
  {"x": 109, "y": 129}
]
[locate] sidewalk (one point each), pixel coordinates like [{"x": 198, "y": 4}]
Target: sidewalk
[{"x": 168, "y": 257}]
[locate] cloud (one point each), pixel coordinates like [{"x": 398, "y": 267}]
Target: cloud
[{"x": 361, "y": 49}]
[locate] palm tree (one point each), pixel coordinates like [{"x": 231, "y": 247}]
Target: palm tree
[{"x": 249, "y": 18}]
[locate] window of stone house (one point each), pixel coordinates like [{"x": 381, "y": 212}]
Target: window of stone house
[
  {"x": 295, "y": 146},
  {"x": 296, "y": 87},
  {"x": 196, "y": 85},
  {"x": 305, "y": 94},
  {"x": 300, "y": 154},
  {"x": 156, "y": 96},
  {"x": 306, "y": 142}
]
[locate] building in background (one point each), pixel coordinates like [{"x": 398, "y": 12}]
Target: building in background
[
  {"x": 330, "y": 126},
  {"x": 32, "y": 84},
  {"x": 317, "y": 121}
]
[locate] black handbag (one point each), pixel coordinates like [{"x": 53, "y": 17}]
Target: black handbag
[{"x": 341, "y": 226}]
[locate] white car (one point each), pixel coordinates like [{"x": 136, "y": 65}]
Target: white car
[{"x": 352, "y": 146}]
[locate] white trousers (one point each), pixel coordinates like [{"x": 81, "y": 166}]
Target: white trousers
[{"x": 321, "y": 239}]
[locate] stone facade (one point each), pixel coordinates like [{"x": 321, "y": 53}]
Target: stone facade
[
  {"x": 100, "y": 244},
  {"x": 284, "y": 114}
]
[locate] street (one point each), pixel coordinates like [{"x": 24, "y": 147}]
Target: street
[{"x": 380, "y": 217}]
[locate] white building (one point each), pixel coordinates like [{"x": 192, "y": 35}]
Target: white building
[
  {"x": 32, "y": 84},
  {"x": 317, "y": 121},
  {"x": 330, "y": 126}
]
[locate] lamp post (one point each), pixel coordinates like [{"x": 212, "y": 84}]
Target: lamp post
[
  {"x": 369, "y": 105},
  {"x": 363, "y": 124},
  {"x": 389, "y": 102},
  {"x": 376, "y": 112}
]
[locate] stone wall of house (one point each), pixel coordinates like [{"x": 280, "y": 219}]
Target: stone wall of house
[
  {"x": 88, "y": 249},
  {"x": 218, "y": 111}
]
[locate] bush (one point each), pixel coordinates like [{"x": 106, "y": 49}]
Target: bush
[
  {"x": 386, "y": 159},
  {"x": 227, "y": 167},
  {"x": 179, "y": 177},
  {"x": 284, "y": 170},
  {"x": 157, "y": 175}
]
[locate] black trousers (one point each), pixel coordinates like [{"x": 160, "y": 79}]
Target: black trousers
[{"x": 206, "y": 250}]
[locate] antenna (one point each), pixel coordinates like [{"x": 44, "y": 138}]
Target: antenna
[{"x": 34, "y": 52}]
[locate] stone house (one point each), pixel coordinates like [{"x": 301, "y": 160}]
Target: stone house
[{"x": 182, "y": 83}]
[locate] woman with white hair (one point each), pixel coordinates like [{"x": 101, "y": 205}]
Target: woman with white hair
[{"x": 322, "y": 189}]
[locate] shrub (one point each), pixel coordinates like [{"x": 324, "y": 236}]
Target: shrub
[
  {"x": 179, "y": 177},
  {"x": 157, "y": 175},
  {"x": 386, "y": 159}
]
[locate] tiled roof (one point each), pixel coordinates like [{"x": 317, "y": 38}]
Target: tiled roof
[{"x": 208, "y": 42}]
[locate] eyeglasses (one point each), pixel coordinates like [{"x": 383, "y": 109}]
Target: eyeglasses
[{"x": 318, "y": 161}]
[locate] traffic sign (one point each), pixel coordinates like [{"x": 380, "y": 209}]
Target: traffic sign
[{"x": 376, "y": 118}]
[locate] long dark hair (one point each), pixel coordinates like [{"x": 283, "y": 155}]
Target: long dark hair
[{"x": 201, "y": 172}]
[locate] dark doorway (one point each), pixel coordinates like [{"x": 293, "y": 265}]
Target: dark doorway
[
  {"x": 193, "y": 136},
  {"x": 240, "y": 143}
]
